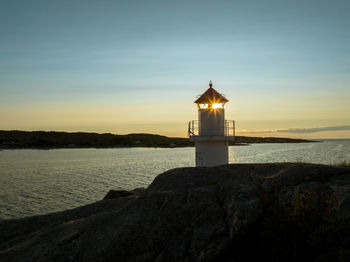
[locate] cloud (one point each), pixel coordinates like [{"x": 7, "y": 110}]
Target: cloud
[
  {"x": 299, "y": 130},
  {"x": 314, "y": 129}
]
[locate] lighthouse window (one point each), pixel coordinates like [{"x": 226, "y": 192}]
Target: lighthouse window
[
  {"x": 219, "y": 105},
  {"x": 203, "y": 106}
]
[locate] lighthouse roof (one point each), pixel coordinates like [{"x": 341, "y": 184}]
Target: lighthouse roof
[{"x": 211, "y": 96}]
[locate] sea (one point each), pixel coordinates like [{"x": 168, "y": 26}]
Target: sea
[{"x": 34, "y": 182}]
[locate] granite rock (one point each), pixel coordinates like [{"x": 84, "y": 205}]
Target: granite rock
[{"x": 186, "y": 214}]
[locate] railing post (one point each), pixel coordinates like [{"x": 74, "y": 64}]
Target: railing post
[{"x": 234, "y": 128}]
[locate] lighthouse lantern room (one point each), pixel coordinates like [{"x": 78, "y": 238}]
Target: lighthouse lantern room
[{"x": 211, "y": 132}]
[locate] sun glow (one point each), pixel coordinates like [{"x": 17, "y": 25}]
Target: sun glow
[
  {"x": 203, "y": 106},
  {"x": 217, "y": 105}
]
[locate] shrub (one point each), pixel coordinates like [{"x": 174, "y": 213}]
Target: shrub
[{"x": 309, "y": 230}]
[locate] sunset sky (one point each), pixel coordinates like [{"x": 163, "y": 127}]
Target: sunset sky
[{"x": 137, "y": 66}]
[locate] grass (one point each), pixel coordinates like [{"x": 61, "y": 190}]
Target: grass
[
  {"x": 344, "y": 163},
  {"x": 310, "y": 229}
]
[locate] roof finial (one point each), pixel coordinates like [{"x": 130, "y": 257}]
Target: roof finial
[{"x": 210, "y": 84}]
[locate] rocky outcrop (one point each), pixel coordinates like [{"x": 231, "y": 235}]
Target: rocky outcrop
[
  {"x": 225, "y": 213},
  {"x": 112, "y": 194}
]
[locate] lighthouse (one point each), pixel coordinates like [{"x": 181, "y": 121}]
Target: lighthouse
[{"x": 211, "y": 132}]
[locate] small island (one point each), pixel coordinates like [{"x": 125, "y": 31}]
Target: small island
[{"x": 16, "y": 139}]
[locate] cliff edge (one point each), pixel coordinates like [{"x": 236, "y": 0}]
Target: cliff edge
[{"x": 238, "y": 212}]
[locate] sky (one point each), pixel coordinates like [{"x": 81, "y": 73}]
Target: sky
[{"x": 137, "y": 66}]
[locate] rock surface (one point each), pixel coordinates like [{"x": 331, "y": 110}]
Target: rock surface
[{"x": 186, "y": 214}]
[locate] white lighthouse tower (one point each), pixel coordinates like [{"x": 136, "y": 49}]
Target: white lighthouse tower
[{"x": 211, "y": 132}]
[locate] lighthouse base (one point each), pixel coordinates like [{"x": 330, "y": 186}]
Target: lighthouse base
[{"x": 211, "y": 153}]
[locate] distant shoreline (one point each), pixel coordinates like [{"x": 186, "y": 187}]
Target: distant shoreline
[
  {"x": 44, "y": 140},
  {"x": 112, "y": 147}
]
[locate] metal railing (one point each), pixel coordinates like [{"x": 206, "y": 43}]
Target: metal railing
[{"x": 194, "y": 127}]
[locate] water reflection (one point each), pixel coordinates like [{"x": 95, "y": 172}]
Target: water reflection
[{"x": 41, "y": 181}]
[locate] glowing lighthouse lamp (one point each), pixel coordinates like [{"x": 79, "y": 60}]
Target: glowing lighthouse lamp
[{"x": 211, "y": 132}]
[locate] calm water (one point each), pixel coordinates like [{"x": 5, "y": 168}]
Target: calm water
[{"x": 41, "y": 181}]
